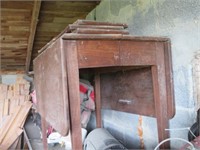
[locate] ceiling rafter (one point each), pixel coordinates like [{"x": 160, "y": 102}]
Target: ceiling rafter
[{"x": 34, "y": 21}]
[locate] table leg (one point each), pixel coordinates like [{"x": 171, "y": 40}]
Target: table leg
[
  {"x": 74, "y": 94},
  {"x": 160, "y": 107},
  {"x": 44, "y": 134},
  {"x": 98, "y": 101}
]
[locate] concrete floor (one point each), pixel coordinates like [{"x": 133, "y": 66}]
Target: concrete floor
[{"x": 34, "y": 135}]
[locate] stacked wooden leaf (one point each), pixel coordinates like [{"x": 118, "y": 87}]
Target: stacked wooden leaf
[{"x": 14, "y": 107}]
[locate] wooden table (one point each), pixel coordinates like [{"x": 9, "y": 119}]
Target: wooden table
[{"x": 146, "y": 62}]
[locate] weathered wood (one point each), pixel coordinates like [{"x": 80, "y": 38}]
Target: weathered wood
[
  {"x": 14, "y": 145},
  {"x": 169, "y": 79},
  {"x": 15, "y": 25},
  {"x": 1, "y": 109},
  {"x": 9, "y": 5},
  {"x": 34, "y": 21},
  {"x": 51, "y": 91},
  {"x": 98, "y": 100},
  {"x": 44, "y": 133},
  {"x": 99, "y": 31},
  {"x": 7, "y": 125},
  {"x": 73, "y": 36},
  {"x": 146, "y": 90},
  {"x": 18, "y": 28},
  {"x": 70, "y": 48},
  {"x": 90, "y": 22},
  {"x": 6, "y": 107},
  {"x": 128, "y": 91},
  {"x": 54, "y": 39},
  {"x": 161, "y": 114},
  {"x": 12, "y": 138},
  {"x": 133, "y": 52},
  {"x": 74, "y": 27},
  {"x": 160, "y": 94},
  {"x": 98, "y": 54},
  {"x": 15, "y": 128}
]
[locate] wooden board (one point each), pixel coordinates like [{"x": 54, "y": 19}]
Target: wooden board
[
  {"x": 99, "y": 31},
  {"x": 51, "y": 87},
  {"x": 4, "y": 130},
  {"x": 98, "y": 54},
  {"x": 128, "y": 91},
  {"x": 137, "y": 53},
  {"x": 16, "y": 28},
  {"x": 54, "y": 18},
  {"x": 15, "y": 123}
]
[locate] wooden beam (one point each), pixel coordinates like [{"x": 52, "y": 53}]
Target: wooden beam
[
  {"x": 34, "y": 21},
  {"x": 4, "y": 72}
]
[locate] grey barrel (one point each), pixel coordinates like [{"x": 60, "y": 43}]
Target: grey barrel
[{"x": 101, "y": 139}]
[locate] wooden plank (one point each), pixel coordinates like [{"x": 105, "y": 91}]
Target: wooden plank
[
  {"x": 160, "y": 95},
  {"x": 44, "y": 133},
  {"x": 74, "y": 95},
  {"x": 52, "y": 91},
  {"x": 98, "y": 54},
  {"x": 169, "y": 79},
  {"x": 11, "y": 139},
  {"x": 34, "y": 20},
  {"x": 162, "y": 122},
  {"x": 137, "y": 53},
  {"x": 1, "y": 110},
  {"x": 98, "y": 101},
  {"x": 6, "y": 107},
  {"x": 90, "y": 22},
  {"x": 3, "y": 91},
  {"x": 19, "y": 142},
  {"x": 13, "y": 104},
  {"x": 99, "y": 31},
  {"x": 4, "y": 130},
  {"x": 15, "y": 128},
  {"x": 73, "y": 27},
  {"x": 74, "y": 36},
  {"x": 14, "y": 145},
  {"x": 70, "y": 6},
  {"x": 54, "y": 39},
  {"x": 11, "y": 5},
  {"x": 128, "y": 91}
]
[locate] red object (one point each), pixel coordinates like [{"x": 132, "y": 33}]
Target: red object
[{"x": 84, "y": 89}]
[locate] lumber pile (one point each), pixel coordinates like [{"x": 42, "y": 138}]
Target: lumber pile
[{"x": 14, "y": 107}]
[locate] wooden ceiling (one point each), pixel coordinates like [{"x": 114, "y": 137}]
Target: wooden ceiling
[{"x": 26, "y": 26}]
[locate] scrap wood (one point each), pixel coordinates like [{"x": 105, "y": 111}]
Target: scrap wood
[
  {"x": 6, "y": 126},
  {"x": 14, "y": 102},
  {"x": 27, "y": 140},
  {"x": 16, "y": 125},
  {"x": 19, "y": 142},
  {"x": 3, "y": 91},
  {"x": 1, "y": 110},
  {"x": 11, "y": 138},
  {"x": 14, "y": 145},
  {"x": 6, "y": 107}
]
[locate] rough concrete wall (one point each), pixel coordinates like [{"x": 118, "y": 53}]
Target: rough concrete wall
[
  {"x": 180, "y": 21},
  {"x": 196, "y": 78}
]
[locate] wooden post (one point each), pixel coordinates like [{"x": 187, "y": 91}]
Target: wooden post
[
  {"x": 44, "y": 133},
  {"x": 160, "y": 95},
  {"x": 98, "y": 101},
  {"x": 70, "y": 50},
  {"x": 34, "y": 21}
]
